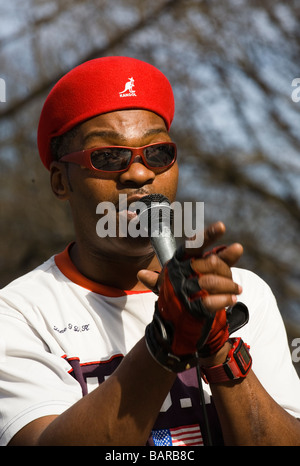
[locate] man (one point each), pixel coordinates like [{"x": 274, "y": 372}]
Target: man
[{"x": 91, "y": 356}]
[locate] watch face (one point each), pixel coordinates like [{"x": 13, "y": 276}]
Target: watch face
[{"x": 243, "y": 358}]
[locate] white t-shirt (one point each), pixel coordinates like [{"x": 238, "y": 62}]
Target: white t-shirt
[{"x": 62, "y": 334}]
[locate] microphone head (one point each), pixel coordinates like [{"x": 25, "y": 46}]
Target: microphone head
[
  {"x": 156, "y": 215},
  {"x": 156, "y": 218},
  {"x": 154, "y": 198}
]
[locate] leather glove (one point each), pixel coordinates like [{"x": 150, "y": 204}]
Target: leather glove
[{"x": 182, "y": 328}]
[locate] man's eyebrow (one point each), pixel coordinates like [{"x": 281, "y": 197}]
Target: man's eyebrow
[
  {"x": 119, "y": 136},
  {"x": 103, "y": 134},
  {"x": 150, "y": 132}
]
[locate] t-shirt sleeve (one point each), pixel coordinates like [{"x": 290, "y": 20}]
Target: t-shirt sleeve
[
  {"x": 266, "y": 335},
  {"x": 34, "y": 381}
]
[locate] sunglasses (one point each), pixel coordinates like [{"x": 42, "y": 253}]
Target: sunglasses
[{"x": 119, "y": 158}]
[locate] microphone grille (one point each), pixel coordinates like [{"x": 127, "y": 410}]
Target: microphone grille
[
  {"x": 147, "y": 200},
  {"x": 157, "y": 214}
]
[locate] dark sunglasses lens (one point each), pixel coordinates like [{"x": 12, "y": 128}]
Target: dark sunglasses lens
[
  {"x": 111, "y": 159},
  {"x": 160, "y": 155}
]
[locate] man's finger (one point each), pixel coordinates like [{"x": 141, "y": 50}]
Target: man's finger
[
  {"x": 214, "y": 303},
  {"x": 211, "y": 235},
  {"x": 211, "y": 264},
  {"x": 231, "y": 254},
  {"x": 215, "y": 284}
]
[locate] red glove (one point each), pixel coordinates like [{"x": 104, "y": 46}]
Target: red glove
[{"x": 182, "y": 327}]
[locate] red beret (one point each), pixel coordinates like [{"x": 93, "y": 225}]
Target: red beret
[{"x": 99, "y": 86}]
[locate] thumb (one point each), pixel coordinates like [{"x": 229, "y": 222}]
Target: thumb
[{"x": 149, "y": 279}]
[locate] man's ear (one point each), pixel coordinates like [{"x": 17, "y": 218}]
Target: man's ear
[{"x": 59, "y": 180}]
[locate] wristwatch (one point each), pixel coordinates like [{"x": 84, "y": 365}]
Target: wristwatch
[{"x": 236, "y": 366}]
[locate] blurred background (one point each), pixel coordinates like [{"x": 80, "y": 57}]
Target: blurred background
[{"x": 232, "y": 64}]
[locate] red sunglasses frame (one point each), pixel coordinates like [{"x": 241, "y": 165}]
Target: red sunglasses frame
[{"x": 83, "y": 157}]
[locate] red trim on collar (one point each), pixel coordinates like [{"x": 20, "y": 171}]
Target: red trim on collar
[{"x": 66, "y": 266}]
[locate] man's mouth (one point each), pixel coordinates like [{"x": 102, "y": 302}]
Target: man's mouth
[
  {"x": 129, "y": 205},
  {"x": 128, "y": 214}
]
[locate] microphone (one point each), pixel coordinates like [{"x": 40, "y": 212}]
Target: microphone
[{"x": 156, "y": 216}]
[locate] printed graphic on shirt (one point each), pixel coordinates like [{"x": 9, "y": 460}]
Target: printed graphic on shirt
[
  {"x": 91, "y": 374},
  {"x": 181, "y": 419},
  {"x": 178, "y": 436}
]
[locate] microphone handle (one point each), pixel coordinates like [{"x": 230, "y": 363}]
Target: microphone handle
[{"x": 164, "y": 247}]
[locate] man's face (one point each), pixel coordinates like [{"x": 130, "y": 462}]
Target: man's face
[{"x": 133, "y": 128}]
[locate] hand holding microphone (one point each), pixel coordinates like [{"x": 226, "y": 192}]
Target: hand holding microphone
[{"x": 195, "y": 288}]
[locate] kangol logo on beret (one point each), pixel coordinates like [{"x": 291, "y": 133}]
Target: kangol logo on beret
[{"x": 128, "y": 91}]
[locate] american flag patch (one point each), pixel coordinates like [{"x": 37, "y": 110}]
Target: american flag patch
[{"x": 178, "y": 436}]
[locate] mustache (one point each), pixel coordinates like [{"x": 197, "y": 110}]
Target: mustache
[{"x": 130, "y": 197}]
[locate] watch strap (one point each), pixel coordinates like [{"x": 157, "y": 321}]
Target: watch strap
[{"x": 237, "y": 365}]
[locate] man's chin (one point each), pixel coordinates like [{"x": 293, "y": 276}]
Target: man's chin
[
  {"x": 125, "y": 246},
  {"x": 137, "y": 245}
]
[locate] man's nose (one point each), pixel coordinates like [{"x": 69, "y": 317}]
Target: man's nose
[{"x": 137, "y": 174}]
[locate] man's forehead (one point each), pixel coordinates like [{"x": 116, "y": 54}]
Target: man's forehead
[
  {"x": 121, "y": 125},
  {"x": 103, "y": 134}
]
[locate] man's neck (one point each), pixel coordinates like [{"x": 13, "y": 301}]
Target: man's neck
[{"x": 118, "y": 271}]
